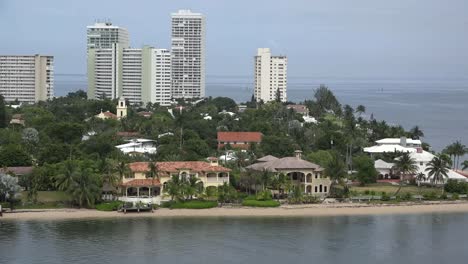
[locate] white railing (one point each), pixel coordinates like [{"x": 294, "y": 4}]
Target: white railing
[{"x": 145, "y": 200}]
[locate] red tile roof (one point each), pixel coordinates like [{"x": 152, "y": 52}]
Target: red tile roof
[
  {"x": 175, "y": 166},
  {"x": 240, "y": 137},
  {"x": 18, "y": 170},
  {"x": 463, "y": 173},
  {"x": 142, "y": 183},
  {"x": 110, "y": 115}
]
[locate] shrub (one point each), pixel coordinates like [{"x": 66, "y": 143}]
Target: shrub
[
  {"x": 211, "y": 191},
  {"x": 385, "y": 197},
  {"x": 338, "y": 191},
  {"x": 194, "y": 204},
  {"x": 454, "y": 186},
  {"x": 255, "y": 203},
  {"x": 455, "y": 196},
  {"x": 264, "y": 196},
  {"x": 430, "y": 196},
  {"x": 443, "y": 196},
  {"x": 310, "y": 199},
  {"x": 406, "y": 196},
  {"x": 366, "y": 192},
  {"x": 110, "y": 206},
  {"x": 167, "y": 204}
]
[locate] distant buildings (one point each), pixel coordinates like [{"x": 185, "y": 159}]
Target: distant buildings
[
  {"x": 102, "y": 35},
  {"x": 26, "y": 78},
  {"x": 138, "y": 75},
  {"x": 241, "y": 140},
  {"x": 188, "y": 54},
  {"x": 270, "y": 76}
]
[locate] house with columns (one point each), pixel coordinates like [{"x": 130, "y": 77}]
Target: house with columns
[
  {"x": 306, "y": 174},
  {"x": 137, "y": 187}
]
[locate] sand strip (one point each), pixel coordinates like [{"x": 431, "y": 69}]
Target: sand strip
[{"x": 283, "y": 211}]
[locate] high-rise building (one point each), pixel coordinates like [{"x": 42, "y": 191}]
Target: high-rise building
[
  {"x": 103, "y": 35},
  {"x": 27, "y": 79},
  {"x": 138, "y": 75},
  {"x": 270, "y": 76},
  {"x": 188, "y": 54}
]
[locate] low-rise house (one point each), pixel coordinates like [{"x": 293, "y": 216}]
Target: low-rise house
[
  {"x": 17, "y": 119},
  {"x": 306, "y": 174},
  {"x": 389, "y": 145},
  {"x": 300, "y": 109},
  {"x": 106, "y": 115},
  {"x": 137, "y": 187},
  {"x": 385, "y": 169},
  {"x": 422, "y": 159},
  {"x": 241, "y": 140},
  {"x": 138, "y": 146}
]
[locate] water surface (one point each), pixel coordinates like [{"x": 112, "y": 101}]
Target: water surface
[{"x": 430, "y": 238}]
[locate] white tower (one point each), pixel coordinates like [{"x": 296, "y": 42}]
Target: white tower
[
  {"x": 270, "y": 76},
  {"x": 188, "y": 54},
  {"x": 121, "y": 108}
]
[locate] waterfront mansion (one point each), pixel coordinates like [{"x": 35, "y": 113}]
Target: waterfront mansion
[{"x": 137, "y": 187}]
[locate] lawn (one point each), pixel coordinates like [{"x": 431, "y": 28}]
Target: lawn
[
  {"x": 47, "y": 197},
  {"x": 378, "y": 188}
]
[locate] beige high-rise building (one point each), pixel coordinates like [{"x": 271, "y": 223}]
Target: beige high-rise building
[
  {"x": 28, "y": 78},
  {"x": 102, "y": 35},
  {"x": 188, "y": 54},
  {"x": 270, "y": 76}
]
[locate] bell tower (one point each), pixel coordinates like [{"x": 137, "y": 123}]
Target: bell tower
[{"x": 121, "y": 108}]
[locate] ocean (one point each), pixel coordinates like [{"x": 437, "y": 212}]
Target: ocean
[
  {"x": 438, "y": 106},
  {"x": 425, "y": 238}
]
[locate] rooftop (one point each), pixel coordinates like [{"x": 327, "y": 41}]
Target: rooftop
[
  {"x": 240, "y": 136},
  {"x": 175, "y": 166},
  {"x": 284, "y": 164}
]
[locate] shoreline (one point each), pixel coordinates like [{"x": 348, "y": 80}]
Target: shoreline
[{"x": 313, "y": 210}]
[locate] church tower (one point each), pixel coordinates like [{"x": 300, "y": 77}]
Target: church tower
[{"x": 121, "y": 108}]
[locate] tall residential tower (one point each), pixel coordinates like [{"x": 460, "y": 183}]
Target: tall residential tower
[
  {"x": 27, "y": 79},
  {"x": 103, "y": 35},
  {"x": 188, "y": 54},
  {"x": 270, "y": 76}
]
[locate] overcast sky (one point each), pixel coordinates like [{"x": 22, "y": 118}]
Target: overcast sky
[{"x": 333, "y": 38}]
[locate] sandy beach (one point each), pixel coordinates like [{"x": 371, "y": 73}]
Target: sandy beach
[{"x": 283, "y": 211}]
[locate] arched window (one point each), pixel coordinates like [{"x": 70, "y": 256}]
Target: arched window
[
  {"x": 316, "y": 189},
  {"x": 325, "y": 189},
  {"x": 321, "y": 188}
]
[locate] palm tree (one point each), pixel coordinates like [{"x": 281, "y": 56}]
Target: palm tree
[
  {"x": 405, "y": 165},
  {"x": 459, "y": 150},
  {"x": 174, "y": 187},
  {"x": 465, "y": 165},
  {"x": 360, "y": 109},
  {"x": 335, "y": 168},
  {"x": 153, "y": 171},
  {"x": 438, "y": 170},
  {"x": 279, "y": 182},
  {"x": 85, "y": 187},
  {"x": 109, "y": 173},
  {"x": 416, "y": 133},
  {"x": 420, "y": 177},
  {"x": 194, "y": 186},
  {"x": 67, "y": 172},
  {"x": 265, "y": 178},
  {"x": 122, "y": 169}
]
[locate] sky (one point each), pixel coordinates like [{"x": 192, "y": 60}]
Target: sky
[{"x": 331, "y": 38}]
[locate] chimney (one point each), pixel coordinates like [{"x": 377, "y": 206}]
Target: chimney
[
  {"x": 403, "y": 142},
  {"x": 298, "y": 154},
  {"x": 419, "y": 150}
]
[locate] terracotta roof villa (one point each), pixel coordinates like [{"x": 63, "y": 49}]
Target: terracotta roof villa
[
  {"x": 137, "y": 187},
  {"x": 301, "y": 172},
  {"x": 241, "y": 140}
]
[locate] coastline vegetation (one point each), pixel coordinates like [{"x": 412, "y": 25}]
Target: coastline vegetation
[{"x": 73, "y": 153}]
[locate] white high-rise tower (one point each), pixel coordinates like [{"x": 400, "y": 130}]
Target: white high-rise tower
[
  {"x": 270, "y": 76},
  {"x": 188, "y": 54},
  {"x": 103, "y": 35}
]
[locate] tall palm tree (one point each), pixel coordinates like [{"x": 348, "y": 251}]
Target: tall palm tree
[
  {"x": 108, "y": 172},
  {"x": 85, "y": 187},
  {"x": 279, "y": 182},
  {"x": 153, "y": 171},
  {"x": 416, "y": 133},
  {"x": 459, "y": 150},
  {"x": 420, "y": 177},
  {"x": 405, "y": 165},
  {"x": 438, "y": 170},
  {"x": 67, "y": 172}
]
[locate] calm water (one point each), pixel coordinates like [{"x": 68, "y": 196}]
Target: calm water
[
  {"x": 437, "y": 238},
  {"x": 438, "y": 106}
]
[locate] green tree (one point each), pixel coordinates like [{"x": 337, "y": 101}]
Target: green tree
[
  {"x": 336, "y": 168},
  {"x": 360, "y": 109},
  {"x": 14, "y": 155},
  {"x": 405, "y": 165},
  {"x": 366, "y": 172},
  {"x": 320, "y": 157},
  {"x": 85, "y": 188},
  {"x": 420, "y": 177},
  {"x": 174, "y": 187},
  {"x": 194, "y": 187},
  {"x": 416, "y": 133},
  {"x": 3, "y": 114},
  {"x": 465, "y": 165},
  {"x": 279, "y": 183},
  {"x": 68, "y": 170},
  {"x": 438, "y": 170},
  {"x": 9, "y": 189}
]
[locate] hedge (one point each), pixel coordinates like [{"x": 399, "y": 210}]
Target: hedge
[{"x": 254, "y": 203}]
